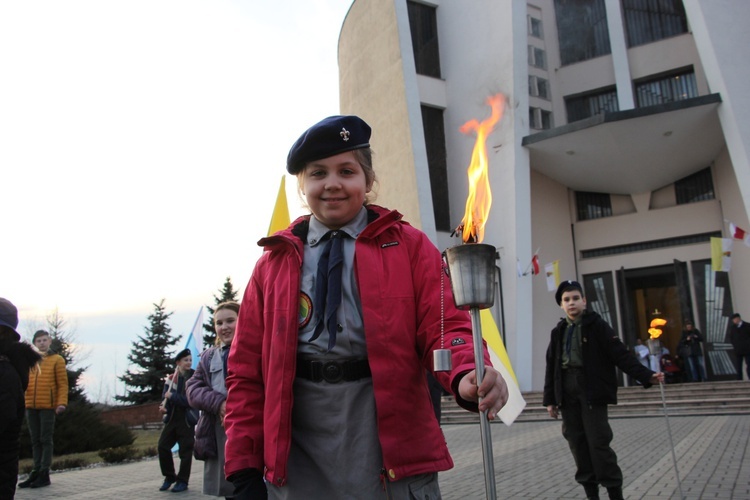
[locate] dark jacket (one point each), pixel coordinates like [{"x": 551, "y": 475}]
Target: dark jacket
[
  {"x": 602, "y": 351},
  {"x": 16, "y": 359},
  {"x": 201, "y": 396},
  {"x": 178, "y": 403},
  {"x": 691, "y": 346},
  {"x": 739, "y": 336}
]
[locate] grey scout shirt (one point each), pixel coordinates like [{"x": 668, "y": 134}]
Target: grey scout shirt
[{"x": 350, "y": 338}]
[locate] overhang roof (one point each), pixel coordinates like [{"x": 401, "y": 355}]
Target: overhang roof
[{"x": 633, "y": 151}]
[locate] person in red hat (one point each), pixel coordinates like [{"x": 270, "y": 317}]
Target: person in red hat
[{"x": 580, "y": 381}]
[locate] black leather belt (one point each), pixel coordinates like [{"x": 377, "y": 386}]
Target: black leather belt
[{"x": 333, "y": 371}]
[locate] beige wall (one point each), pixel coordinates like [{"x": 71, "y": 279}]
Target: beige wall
[
  {"x": 550, "y": 213},
  {"x": 728, "y": 190},
  {"x": 371, "y": 79}
]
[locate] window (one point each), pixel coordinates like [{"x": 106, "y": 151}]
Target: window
[
  {"x": 651, "y": 21},
  {"x": 540, "y": 119},
  {"x": 582, "y": 30},
  {"x": 535, "y": 27},
  {"x": 546, "y": 119},
  {"x": 434, "y": 138},
  {"x": 675, "y": 87},
  {"x": 538, "y": 87},
  {"x": 424, "y": 38},
  {"x": 593, "y": 205},
  {"x": 582, "y": 107},
  {"x": 600, "y": 296},
  {"x": 696, "y": 187},
  {"x": 537, "y": 57}
]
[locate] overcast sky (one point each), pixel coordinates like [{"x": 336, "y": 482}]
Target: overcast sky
[{"x": 142, "y": 144}]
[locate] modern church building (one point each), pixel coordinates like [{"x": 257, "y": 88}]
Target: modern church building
[{"x": 623, "y": 149}]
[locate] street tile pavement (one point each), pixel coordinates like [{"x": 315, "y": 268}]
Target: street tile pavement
[{"x": 531, "y": 460}]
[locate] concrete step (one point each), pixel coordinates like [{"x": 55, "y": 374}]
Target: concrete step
[{"x": 707, "y": 398}]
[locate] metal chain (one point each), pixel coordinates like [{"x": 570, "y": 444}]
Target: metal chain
[{"x": 442, "y": 304}]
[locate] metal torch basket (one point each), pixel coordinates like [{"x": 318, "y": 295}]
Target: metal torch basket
[
  {"x": 654, "y": 347},
  {"x": 472, "y": 274}
]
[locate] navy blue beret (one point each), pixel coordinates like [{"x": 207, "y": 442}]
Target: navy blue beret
[
  {"x": 564, "y": 287},
  {"x": 329, "y": 137},
  {"x": 182, "y": 354}
]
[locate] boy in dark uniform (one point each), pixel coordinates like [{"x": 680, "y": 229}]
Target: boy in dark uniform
[{"x": 580, "y": 381}]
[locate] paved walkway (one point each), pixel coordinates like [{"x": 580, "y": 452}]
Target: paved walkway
[{"x": 531, "y": 460}]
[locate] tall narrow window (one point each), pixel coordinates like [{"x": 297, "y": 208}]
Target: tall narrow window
[
  {"x": 535, "y": 27},
  {"x": 696, "y": 187},
  {"x": 650, "y": 21},
  {"x": 675, "y": 87},
  {"x": 582, "y": 30},
  {"x": 600, "y": 296},
  {"x": 424, "y": 38},
  {"x": 537, "y": 57},
  {"x": 593, "y": 205},
  {"x": 434, "y": 136}
]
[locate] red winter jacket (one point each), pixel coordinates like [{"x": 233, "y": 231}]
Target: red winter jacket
[{"x": 398, "y": 275}]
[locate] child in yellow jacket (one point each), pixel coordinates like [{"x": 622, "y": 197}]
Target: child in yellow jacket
[{"x": 46, "y": 396}]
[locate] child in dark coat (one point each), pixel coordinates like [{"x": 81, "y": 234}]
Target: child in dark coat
[{"x": 580, "y": 381}]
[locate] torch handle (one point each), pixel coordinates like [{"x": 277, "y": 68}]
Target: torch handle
[{"x": 484, "y": 423}]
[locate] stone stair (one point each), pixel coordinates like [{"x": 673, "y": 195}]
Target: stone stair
[{"x": 706, "y": 398}]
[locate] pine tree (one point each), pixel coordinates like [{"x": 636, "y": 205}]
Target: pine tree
[
  {"x": 151, "y": 352},
  {"x": 64, "y": 344},
  {"x": 226, "y": 293}
]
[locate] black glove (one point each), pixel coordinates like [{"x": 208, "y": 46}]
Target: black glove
[{"x": 248, "y": 485}]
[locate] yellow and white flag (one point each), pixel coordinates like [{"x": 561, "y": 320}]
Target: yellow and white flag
[
  {"x": 721, "y": 254},
  {"x": 552, "y": 271},
  {"x": 501, "y": 362},
  {"x": 280, "y": 218}
]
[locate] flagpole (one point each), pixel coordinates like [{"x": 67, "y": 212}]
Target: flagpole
[{"x": 671, "y": 443}]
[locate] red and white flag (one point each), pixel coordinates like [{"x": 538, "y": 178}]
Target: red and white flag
[
  {"x": 739, "y": 234},
  {"x": 535, "y": 265}
]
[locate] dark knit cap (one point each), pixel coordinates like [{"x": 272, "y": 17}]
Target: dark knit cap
[
  {"x": 328, "y": 137},
  {"x": 9, "y": 316}
]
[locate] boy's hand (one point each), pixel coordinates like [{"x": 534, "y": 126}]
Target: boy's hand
[
  {"x": 552, "y": 410},
  {"x": 657, "y": 378},
  {"x": 493, "y": 391}
]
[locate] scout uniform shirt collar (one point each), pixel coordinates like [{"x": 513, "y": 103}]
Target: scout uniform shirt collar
[{"x": 317, "y": 230}]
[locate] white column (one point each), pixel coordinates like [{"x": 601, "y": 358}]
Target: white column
[
  {"x": 722, "y": 36},
  {"x": 618, "y": 43}
]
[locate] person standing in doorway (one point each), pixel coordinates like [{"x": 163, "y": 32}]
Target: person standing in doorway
[
  {"x": 691, "y": 339},
  {"x": 739, "y": 336},
  {"x": 641, "y": 352},
  {"x": 46, "y": 397},
  {"x": 580, "y": 381}
]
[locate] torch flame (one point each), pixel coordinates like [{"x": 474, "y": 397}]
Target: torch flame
[
  {"x": 655, "y": 332},
  {"x": 479, "y": 200}
]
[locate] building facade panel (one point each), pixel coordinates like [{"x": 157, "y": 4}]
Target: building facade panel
[{"x": 649, "y": 254}]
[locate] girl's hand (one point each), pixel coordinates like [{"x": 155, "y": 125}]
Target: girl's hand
[{"x": 493, "y": 391}]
